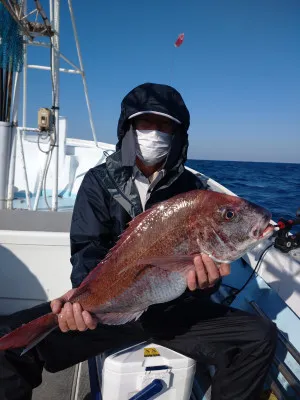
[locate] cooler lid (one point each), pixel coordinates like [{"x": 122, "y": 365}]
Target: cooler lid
[{"x": 138, "y": 357}]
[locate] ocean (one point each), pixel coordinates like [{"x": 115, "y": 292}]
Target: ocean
[{"x": 275, "y": 186}]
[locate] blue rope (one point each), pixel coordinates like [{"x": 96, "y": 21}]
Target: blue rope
[{"x": 11, "y": 42}]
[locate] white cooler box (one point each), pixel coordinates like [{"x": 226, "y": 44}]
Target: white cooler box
[{"x": 127, "y": 372}]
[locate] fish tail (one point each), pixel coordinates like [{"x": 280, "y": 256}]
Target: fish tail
[{"x": 28, "y": 335}]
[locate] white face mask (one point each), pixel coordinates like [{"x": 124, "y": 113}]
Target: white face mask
[{"x": 152, "y": 147}]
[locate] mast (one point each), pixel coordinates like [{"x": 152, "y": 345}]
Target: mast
[
  {"x": 54, "y": 139},
  {"x": 27, "y": 21}
]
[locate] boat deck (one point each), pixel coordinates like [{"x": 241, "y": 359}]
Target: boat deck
[{"x": 70, "y": 384}]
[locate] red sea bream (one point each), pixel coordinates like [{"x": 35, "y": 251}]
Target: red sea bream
[{"x": 149, "y": 263}]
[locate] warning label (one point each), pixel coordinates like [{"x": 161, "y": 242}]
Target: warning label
[{"x": 151, "y": 352}]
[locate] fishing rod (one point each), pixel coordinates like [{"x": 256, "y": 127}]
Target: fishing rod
[
  {"x": 4, "y": 99},
  {"x": 9, "y": 94}
]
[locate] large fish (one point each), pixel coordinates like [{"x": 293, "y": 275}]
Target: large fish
[{"x": 150, "y": 261}]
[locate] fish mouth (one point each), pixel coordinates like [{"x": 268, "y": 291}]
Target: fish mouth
[
  {"x": 267, "y": 232},
  {"x": 262, "y": 231}
]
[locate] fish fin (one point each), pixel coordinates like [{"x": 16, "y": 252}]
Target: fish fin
[
  {"x": 37, "y": 340},
  {"x": 119, "y": 318},
  {"x": 180, "y": 263},
  {"x": 131, "y": 226},
  {"x": 28, "y": 335}
]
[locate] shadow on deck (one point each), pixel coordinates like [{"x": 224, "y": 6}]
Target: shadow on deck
[{"x": 70, "y": 384}]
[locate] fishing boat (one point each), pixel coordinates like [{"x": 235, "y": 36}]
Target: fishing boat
[{"x": 40, "y": 174}]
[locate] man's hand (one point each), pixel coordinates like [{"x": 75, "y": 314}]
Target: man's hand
[
  {"x": 206, "y": 273},
  {"x": 71, "y": 316}
]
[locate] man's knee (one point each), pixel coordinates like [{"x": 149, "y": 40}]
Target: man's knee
[
  {"x": 266, "y": 335},
  {"x": 14, "y": 384},
  {"x": 19, "y": 374}
]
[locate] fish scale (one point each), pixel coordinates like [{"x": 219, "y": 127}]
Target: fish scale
[{"x": 150, "y": 261}]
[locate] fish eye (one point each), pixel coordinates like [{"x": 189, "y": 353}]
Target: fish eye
[{"x": 228, "y": 214}]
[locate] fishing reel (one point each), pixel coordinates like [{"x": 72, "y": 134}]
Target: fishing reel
[{"x": 286, "y": 241}]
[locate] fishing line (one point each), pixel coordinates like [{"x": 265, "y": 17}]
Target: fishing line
[
  {"x": 229, "y": 299},
  {"x": 284, "y": 241}
]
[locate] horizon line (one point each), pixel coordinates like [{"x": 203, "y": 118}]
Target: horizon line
[{"x": 245, "y": 161}]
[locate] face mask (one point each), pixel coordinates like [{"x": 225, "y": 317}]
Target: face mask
[{"x": 152, "y": 146}]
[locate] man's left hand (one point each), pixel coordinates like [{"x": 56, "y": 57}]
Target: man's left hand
[{"x": 206, "y": 273}]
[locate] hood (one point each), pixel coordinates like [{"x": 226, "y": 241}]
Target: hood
[{"x": 163, "y": 99}]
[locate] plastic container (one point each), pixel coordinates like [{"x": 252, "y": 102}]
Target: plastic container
[{"x": 125, "y": 373}]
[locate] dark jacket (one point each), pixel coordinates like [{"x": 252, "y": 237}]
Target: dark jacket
[{"x": 108, "y": 198}]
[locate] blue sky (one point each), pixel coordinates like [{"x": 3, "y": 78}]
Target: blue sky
[{"x": 238, "y": 71}]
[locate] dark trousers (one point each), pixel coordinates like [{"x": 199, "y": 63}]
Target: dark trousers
[{"x": 240, "y": 346}]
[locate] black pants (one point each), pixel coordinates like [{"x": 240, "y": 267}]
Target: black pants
[{"x": 240, "y": 346}]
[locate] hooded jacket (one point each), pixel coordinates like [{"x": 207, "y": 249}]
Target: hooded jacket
[{"x": 108, "y": 198}]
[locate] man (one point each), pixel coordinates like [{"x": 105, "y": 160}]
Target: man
[{"x": 147, "y": 167}]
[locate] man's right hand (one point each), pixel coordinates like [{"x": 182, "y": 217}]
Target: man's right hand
[{"x": 71, "y": 316}]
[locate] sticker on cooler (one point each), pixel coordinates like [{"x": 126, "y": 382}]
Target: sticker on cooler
[{"x": 151, "y": 352}]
